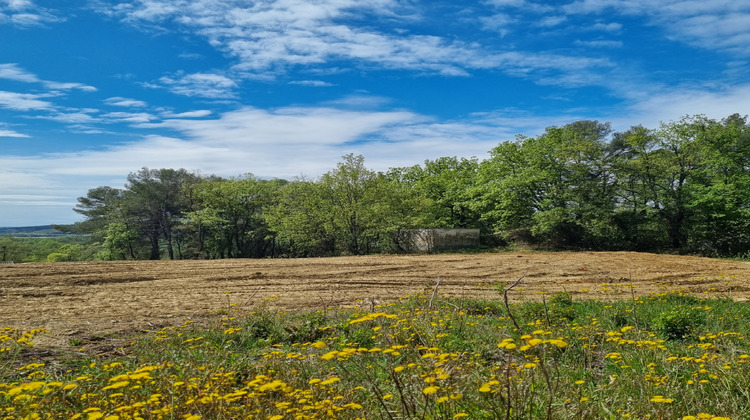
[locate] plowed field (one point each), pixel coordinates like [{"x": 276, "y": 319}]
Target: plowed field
[{"x": 81, "y": 299}]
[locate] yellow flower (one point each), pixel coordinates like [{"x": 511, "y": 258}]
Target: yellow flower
[
  {"x": 460, "y": 415},
  {"x": 318, "y": 344},
  {"x": 535, "y": 342},
  {"x": 661, "y": 399},
  {"x": 330, "y": 381},
  {"x": 116, "y": 385},
  {"x": 430, "y": 390},
  {"x": 559, "y": 343}
]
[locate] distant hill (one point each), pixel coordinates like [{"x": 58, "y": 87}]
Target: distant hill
[{"x": 31, "y": 231}]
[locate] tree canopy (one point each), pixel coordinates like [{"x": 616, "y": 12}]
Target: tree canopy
[{"x": 681, "y": 187}]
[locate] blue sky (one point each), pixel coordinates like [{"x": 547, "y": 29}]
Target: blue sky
[{"x": 91, "y": 90}]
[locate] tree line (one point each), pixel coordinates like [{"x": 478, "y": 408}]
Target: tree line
[{"x": 681, "y": 187}]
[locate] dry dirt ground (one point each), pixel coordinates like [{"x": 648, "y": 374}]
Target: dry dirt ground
[{"x": 91, "y": 299}]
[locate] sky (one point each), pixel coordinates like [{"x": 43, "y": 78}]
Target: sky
[{"x": 92, "y": 90}]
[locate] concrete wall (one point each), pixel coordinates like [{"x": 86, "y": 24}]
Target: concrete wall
[{"x": 439, "y": 239}]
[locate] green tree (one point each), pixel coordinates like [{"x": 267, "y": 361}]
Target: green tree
[
  {"x": 232, "y": 212},
  {"x": 720, "y": 206},
  {"x": 302, "y": 220},
  {"x": 662, "y": 172},
  {"x": 156, "y": 200},
  {"x": 559, "y": 186},
  {"x": 351, "y": 192},
  {"x": 447, "y": 184}
]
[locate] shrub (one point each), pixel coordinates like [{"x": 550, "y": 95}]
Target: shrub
[{"x": 679, "y": 323}]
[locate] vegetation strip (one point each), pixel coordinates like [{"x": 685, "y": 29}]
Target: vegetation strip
[{"x": 662, "y": 356}]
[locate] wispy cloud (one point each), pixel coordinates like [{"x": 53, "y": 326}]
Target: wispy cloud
[
  {"x": 188, "y": 114},
  {"x": 24, "y": 13},
  {"x": 24, "y": 101},
  {"x": 124, "y": 102},
  {"x": 129, "y": 117},
  {"x": 599, "y": 43},
  {"x": 722, "y": 25},
  {"x": 269, "y": 37},
  {"x": 11, "y": 133},
  {"x": 11, "y": 71},
  {"x": 315, "y": 83},
  {"x": 205, "y": 85}
]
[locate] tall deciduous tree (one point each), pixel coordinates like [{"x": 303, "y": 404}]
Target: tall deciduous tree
[
  {"x": 233, "y": 214},
  {"x": 559, "y": 185},
  {"x": 447, "y": 183}
]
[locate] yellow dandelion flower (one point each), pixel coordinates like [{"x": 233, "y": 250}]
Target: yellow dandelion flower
[
  {"x": 559, "y": 343},
  {"x": 330, "y": 381},
  {"x": 430, "y": 390},
  {"x": 116, "y": 385},
  {"x": 535, "y": 342}
]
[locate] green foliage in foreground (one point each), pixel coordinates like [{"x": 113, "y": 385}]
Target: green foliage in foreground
[{"x": 665, "y": 356}]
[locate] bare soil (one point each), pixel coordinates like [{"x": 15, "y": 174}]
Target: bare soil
[{"x": 96, "y": 299}]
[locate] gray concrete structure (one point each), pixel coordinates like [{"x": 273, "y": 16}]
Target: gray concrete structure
[{"x": 441, "y": 239}]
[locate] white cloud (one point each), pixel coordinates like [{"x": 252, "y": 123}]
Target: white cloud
[
  {"x": 607, "y": 27},
  {"x": 599, "y": 43},
  {"x": 68, "y": 86},
  {"x": 24, "y": 101},
  {"x": 674, "y": 103},
  {"x": 271, "y": 36},
  {"x": 189, "y": 114},
  {"x": 11, "y": 71},
  {"x": 131, "y": 117},
  {"x": 71, "y": 117},
  {"x": 11, "y": 133},
  {"x": 124, "y": 102},
  {"x": 25, "y": 14},
  {"x": 497, "y": 22},
  {"x": 550, "y": 21},
  {"x": 711, "y": 24},
  {"x": 205, "y": 85},
  {"x": 314, "y": 83}
]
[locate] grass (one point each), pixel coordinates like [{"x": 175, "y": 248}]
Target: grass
[{"x": 667, "y": 356}]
